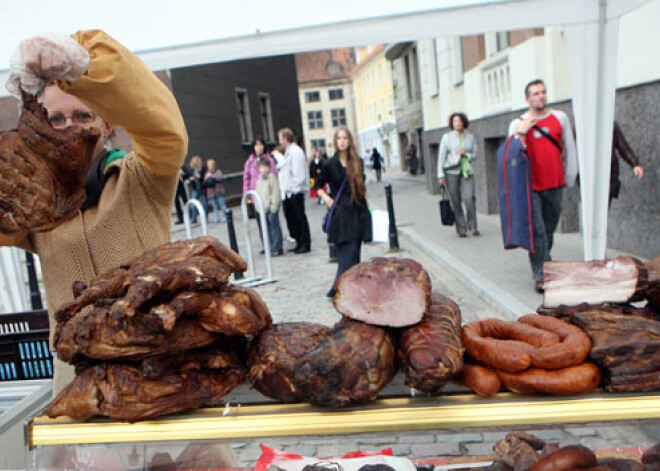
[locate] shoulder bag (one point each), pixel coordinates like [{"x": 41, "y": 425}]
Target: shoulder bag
[{"x": 327, "y": 217}]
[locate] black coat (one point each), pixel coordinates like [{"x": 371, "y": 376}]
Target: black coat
[{"x": 350, "y": 220}]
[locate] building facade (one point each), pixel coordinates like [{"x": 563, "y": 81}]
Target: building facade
[
  {"x": 374, "y": 103},
  {"x": 485, "y": 75},
  {"x": 226, "y": 105},
  {"x": 326, "y": 96},
  {"x": 407, "y": 90}
]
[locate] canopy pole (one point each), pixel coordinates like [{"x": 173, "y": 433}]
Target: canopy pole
[{"x": 592, "y": 54}]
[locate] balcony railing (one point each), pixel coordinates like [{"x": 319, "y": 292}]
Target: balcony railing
[{"x": 496, "y": 82}]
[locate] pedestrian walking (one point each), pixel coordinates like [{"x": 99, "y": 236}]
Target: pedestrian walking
[
  {"x": 548, "y": 137},
  {"x": 621, "y": 147},
  {"x": 458, "y": 150},
  {"x": 268, "y": 189},
  {"x": 377, "y": 163},
  {"x": 215, "y": 190},
  {"x": 350, "y": 219},
  {"x": 315, "y": 166},
  {"x": 411, "y": 157}
]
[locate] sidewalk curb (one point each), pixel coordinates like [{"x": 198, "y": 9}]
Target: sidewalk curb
[{"x": 486, "y": 289}]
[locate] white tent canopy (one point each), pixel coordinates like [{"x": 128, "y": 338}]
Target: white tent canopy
[{"x": 174, "y": 33}]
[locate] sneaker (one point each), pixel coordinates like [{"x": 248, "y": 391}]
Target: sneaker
[
  {"x": 303, "y": 249},
  {"x": 538, "y": 286},
  {"x": 277, "y": 253},
  {"x": 293, "y": 249},
  {"x": 178, "y": 222},
  {"x": 462, "y": 236},
  {"x": 475, "y": 232}
]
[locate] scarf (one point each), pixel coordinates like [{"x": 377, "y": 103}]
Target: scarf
[{"x": 96, "y": 176}]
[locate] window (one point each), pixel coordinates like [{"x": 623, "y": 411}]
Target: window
[
  {"x": 266, "y": 116},
  {"x": 312, "y": 97},
  {"x": 319, "y": 144},
  {"x": 243, "y": 108},
  {"x": 338, "y": 117},
  {"x": 382, "y": 109},
  {"x": 380, "y": 75},
  {"x": 315, "y": 119},
  {"x": 502, "y": 40},
  {"x": 336, "y": 93}
]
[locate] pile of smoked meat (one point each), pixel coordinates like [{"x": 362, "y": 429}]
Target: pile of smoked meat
[{"x": 167, "y": 332}]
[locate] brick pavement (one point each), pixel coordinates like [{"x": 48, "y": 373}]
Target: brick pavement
[{"x": 299, "y": 294}]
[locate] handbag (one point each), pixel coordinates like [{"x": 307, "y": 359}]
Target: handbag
[
  {"x": 209, "y": 182},
  {"x": 327, "y": 217},
  {"x": 446, "y": 213}
]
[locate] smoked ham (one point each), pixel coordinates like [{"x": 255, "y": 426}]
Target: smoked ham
[
  {"x": 392, "y": 292},
  {"x": 351, "y": 366},
  {"x": 42, "y": 171},
  {"x": 431, "y": 352},
  {"x": 273, "y": 356}
]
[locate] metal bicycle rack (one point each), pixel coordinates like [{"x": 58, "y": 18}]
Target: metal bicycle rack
[
  {"x": 202, "y": 215},
  {"x": 253, "y": 279}
]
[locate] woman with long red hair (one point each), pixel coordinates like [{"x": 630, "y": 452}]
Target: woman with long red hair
[{"x": 350, "y": 221}]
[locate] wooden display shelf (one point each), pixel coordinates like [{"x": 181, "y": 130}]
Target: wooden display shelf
[{"x": 386, "y": 415}]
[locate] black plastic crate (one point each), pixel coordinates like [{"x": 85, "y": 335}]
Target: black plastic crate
[
  {"x": 24, "y": 352},
  {"x": 23, "y": 321}
]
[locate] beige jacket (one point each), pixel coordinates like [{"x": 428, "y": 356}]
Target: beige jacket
[
  {"x": 133, "y": 212},
  {"x": 268, "y": 190}
]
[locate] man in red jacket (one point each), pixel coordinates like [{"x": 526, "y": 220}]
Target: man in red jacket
[{"x": 550, "y": 144}]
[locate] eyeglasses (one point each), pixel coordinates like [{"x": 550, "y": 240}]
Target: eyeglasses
[{"x": 59, "y": 121}]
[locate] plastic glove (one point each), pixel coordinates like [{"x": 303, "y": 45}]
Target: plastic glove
[{"x": 40, "y": 60}]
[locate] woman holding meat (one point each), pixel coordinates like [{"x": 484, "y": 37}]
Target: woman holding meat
[
  {"x": 90, "y": 80},
  {"x": 350, "y": 221}
]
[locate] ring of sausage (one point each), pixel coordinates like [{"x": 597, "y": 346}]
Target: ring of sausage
[
  {"x": 505, "y": 345},
  {"x": 562, "y": 382},
  {"x": 573, "y": 349}
]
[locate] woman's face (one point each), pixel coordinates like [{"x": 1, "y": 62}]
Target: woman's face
[
  {"x": 63, "y": 109},
  {"x": 457, "y": 122},
  {"x": 211, "y": 166},
  {"x": 343, "y": 141},
  {"x": 258, "y": 148}
]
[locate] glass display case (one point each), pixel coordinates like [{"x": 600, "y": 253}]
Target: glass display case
[{"x": 231, "y": 426}]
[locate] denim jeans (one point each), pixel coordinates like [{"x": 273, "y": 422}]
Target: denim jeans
[
  {"x": 547, "y": 208},
  {"x": 219, "y": 200},
  {"x": 201, "y": 196},
  {"x": 274, "y": 231}
]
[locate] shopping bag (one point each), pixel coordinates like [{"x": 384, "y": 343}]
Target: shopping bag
[{"x": 446, "y": 213}]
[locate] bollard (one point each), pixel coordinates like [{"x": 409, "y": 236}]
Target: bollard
[
  {"x": 229, "y": 214},
  {"x": 394, "y": 237},
  {"x": 35, "y": 294}
]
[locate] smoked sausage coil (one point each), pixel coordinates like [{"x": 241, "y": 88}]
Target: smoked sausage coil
[
  {"x": 480, "y": 379},
  {"x": 562, "y": 382},
  {"x": 573, "y": 349},
  {"x": 569, "y": 458},
  {"x": 488, "y": 341}
]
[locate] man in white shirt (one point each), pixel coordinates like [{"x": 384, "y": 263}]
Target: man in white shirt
[{"x": 296, "y": 184}]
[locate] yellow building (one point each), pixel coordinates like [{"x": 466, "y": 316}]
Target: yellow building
[{"x": 372, "y": 86}]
